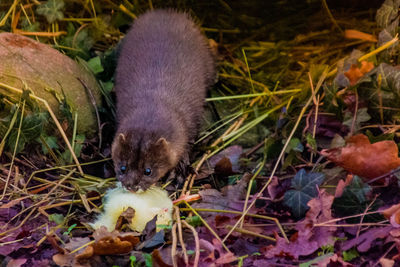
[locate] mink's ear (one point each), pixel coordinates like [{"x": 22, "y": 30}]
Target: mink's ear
[
  {"x": 162, "y": 144},
  {"x": 121, "y": 137},
  {"x": 166, "y": 152}
]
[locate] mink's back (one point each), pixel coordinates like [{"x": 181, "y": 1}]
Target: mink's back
[{"x": 164, "y": 69}]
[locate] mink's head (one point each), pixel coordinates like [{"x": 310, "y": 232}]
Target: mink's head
[{"x": 140, "y": 160}]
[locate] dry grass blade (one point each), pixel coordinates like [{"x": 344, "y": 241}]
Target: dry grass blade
[
  {"x": 322, "y": 78},
  {"x": 53, "y": 116}
]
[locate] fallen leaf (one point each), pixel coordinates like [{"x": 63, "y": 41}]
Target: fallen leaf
[
  {"x": 226, "y": 162},
  {"x": 362, "y": 158},
  {"x": 327, "y": 126},
  {"x": 355, "y": 73},
  {"x": 364, "y": 241},
  {"x": 125, "y": 218},
  {"x": 308, "y": 238},
  {"x": 213, "y": 249},
  {"x": 86, "y": 254},
  {"x": 159, "y": 260},
  {"x": 342, "y": 185},
  {"x": 393, "y": 213},
  {"x": 353, "y": 199},
  {"x": 231, "y": 197},
  {"x": 13, "y": 202},
  {"x": 16, "y": 262},
  {"x": 386, "y": 262},
  {"x": 304, "y": 189}
]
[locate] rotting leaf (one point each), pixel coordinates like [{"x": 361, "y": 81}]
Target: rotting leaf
[
  {"x": 305, "y": 188},
  {"x": 125, "y": 218},
  {"x": 393, "y": 213},
  {"x": 365, "y": 240},
  {"x": 109, "y": 243},
  {"x": 355, "y": 73},
  {"x": 111, "y": 246},
  {"x": 308, "y": 238},
  {"x": 362, "y": 158}
]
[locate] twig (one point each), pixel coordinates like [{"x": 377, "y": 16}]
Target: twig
[
  {"x": 275, "y": 220},
  {"x": 94, "y": 104},
  {"x": 353, "y": 123},
  {"x": 41, "y": 34},
  {"x": 197, "y": 242},
  {"x": 247, "y": 232},
  {"x": 207, "y": 226},
  {"x": 174, "y": 245},
  {"x": 180, "y": 235},
  {"x": 331, "y": 16},
  {"x": 363, "y": 215}
]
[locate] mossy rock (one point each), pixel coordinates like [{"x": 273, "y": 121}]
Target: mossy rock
[{"x": 50, "y": 75}]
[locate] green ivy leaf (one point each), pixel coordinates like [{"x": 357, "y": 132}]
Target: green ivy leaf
[
  {"x": 79, "y": 140},
  {"x": 387, "y": 16},
  {"x": 362, "y": 116},
  {"x": 57, "y": 218},
  {"x": 353, "y": 199},
  {"x": 351, "y": 254},
  {"x": 311, "y": 141},
  {"x": 148, "y": 260},
  {"x": 52, "y": 10},
  {"x": 51, "y": 142},
  {"x": 294, "y": 145},
  {"x": 304, "y": 189},
  {"x": 32, "y": 127},
  {"x": 95, "y": 65}
]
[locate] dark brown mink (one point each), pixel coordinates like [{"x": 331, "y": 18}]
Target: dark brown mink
[{"x": 164, "y": 69}]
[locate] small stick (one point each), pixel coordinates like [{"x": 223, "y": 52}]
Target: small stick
[
  {"x": 247, "y": 232},
  {"x": 207, "y": 226},
  {"x": 180, "y": 235},
  {"x": 197, "y": 242},
  {"x": 174, "y": 245},
  {"x": 40, "y": 34}
]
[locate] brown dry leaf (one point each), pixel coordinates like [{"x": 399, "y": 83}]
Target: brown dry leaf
[
  {"x": 386, "y": 262},
  {"x": 109, "y": 243},
  {"x": 125, "y": 218},
  {"x": 158, "y": 259},
  {"x": 393, "y": 213},
  {"x": 68, "y": 260},
  {"x": 342, "y": 185},
  {"x": 354, "y": 34},
  {"x": 355, "y": 73},
  {"x": 13, "y": 202},
  {"x": 362, "y": 158},
  {"x": 111, "y": 246},
  {"x": 16, "y": 262},
  {"x": 86, "y": 254}
]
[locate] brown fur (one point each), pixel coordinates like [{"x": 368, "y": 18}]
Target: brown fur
[{"x": 164, "y": 69}]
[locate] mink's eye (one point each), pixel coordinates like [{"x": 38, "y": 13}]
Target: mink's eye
[
  {"x": 123, "y": 169},
  {"x": 147, "y": 171}
]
